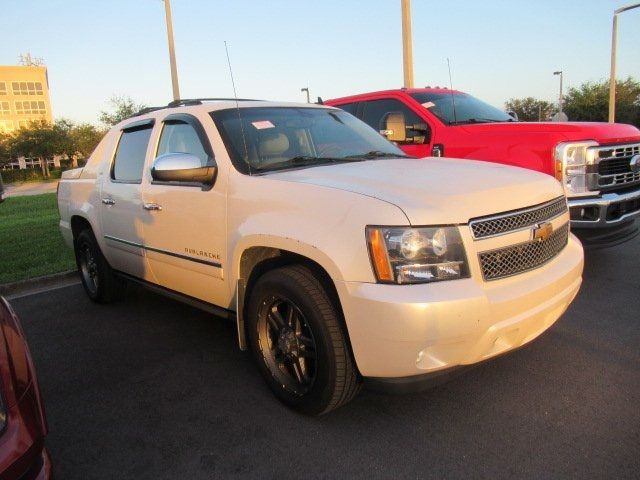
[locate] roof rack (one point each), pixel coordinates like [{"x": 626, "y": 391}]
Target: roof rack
[
  {"x": 184, "y": 102},
  {"x": 198, "y": 101}
]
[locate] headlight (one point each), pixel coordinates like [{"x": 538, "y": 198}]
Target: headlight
[
  {"x": 417, "y": 255},
  {"x": 571, "y": 160}
]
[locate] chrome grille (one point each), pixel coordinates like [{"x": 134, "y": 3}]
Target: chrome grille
[
  {"x": 484, "y": 227},
  {"x": 614, "y": 166},
  {"x": 505, "y": 262}
]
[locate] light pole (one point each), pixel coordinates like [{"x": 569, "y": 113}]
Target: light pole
[
  {"x": 306, "y": 89},
  {"x": 559, "y": 96},
  {"x": 172, "y": 51},
  {"x": 407, "y": 48},
  {"x": 612, "y": 78}
]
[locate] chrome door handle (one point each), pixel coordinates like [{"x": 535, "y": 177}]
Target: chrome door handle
[
  {"x": 151, "y": 206},
  {"x": 108, "y": 201}
]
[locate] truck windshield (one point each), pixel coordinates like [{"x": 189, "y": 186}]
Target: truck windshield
[
  {"x": 264, "y": 139},
  {"x": 468, "y": 109}
]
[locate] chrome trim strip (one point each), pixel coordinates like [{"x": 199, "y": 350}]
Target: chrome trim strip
[
  {"x": 511, "y": 214},
  {"x": 164, "y": 252}
]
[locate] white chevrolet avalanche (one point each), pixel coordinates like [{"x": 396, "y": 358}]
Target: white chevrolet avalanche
[{"x": 342, "y": 260}]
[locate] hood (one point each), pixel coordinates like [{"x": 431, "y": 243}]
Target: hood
[
  {"x": 435, "y": 191},
  {"x": 602, "y": 133}
]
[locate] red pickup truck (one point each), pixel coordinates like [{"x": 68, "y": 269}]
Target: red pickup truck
[{"x": 598, "y": 163}]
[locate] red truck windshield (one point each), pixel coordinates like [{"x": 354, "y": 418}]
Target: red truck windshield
[{"x": 460, "y": 108}]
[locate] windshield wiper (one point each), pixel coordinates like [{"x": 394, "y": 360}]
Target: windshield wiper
[
  {"x": 376, "y": 154},
  {"x": 306, "y": 160},
  {"x": 477, "y": 120}
]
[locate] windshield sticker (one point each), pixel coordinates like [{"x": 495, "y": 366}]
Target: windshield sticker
[
  {"x": 428, "y": 104},
  {"x": 262, "y": 124}
]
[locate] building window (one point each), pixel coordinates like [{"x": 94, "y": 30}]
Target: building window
[
  {"x": 4, "y": 108},
  {"x": 30, "y": 108},
  {"x": 3, "y": 88},
  {"x": 6, "y": 126},
  {"x": 23, "y": 123},
  {"x": 26, "y": 88}
]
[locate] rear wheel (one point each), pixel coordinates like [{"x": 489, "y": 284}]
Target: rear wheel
[
  {"x": 98, "y": 278},
  {"x": 298, "y": 342}
]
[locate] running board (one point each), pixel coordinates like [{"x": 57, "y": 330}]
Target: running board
[{"x": 191, "y": 301}]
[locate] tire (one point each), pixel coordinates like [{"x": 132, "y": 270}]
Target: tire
[
  {"x": 98, "y": 278},
  {"x": 298, "y": 342}
]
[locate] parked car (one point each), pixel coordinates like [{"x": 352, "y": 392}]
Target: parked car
[
  {"x": 598, "y": 163},
  {"x": 341, "y": 259},
  {"x": 23, "y": 425},
  {"x": 1, "y": 190}
]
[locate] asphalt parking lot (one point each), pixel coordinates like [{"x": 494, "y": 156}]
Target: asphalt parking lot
[{"x": 149, "y": 388}]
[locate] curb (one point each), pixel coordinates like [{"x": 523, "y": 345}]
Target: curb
[{"x": 37, "y": 283}]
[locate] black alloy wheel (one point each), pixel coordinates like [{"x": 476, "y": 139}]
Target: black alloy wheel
[{"x": 297, "y": 338}]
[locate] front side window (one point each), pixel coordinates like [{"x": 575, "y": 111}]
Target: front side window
[
  {"x": 181, "y": 137},
  {"x": 263, "y": 139},
  {"x": 130, "y": 155},
  {"x": 457, "y": 108},
  {"x": 375, "y": 113}
]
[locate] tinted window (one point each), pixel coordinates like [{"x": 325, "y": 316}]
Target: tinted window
[
  {"x": 181, "y": 138},
  {"x": 273, "y": 138},
  {"x": 456, "y": 108},
  {"x": 349, "y": 107},
  {"x": 375, "y": 114},
  {"x": 129, "y": 160}
]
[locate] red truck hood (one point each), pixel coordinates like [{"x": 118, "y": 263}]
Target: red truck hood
[{"x": 602, "y": 133}]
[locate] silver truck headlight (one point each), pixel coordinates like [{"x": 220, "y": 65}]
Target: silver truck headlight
[
  {"x": 571, "y": 160},
  {"x": 417, "y": 255}
]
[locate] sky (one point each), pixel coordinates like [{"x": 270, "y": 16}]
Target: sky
[{"x": 499, "y": 49}]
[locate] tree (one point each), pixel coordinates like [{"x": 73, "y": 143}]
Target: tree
[
  {"x": 590, "y": 102},
  {"x": 123, "y": 108},
  {"x": 43, "y": 140},
  {"x": 85, "y": 137},
  {"x": 5, "y": 148},
  {"x": 530, "y": 109}
]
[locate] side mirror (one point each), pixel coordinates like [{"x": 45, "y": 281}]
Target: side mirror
[
  {"x": 182, "y": 167},
  {"x": 395, "y": 128}
]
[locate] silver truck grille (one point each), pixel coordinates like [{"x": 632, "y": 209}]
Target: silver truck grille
[
  {"x": 485, "y": 227},
  {"x": 614, "y": 167},
  {"x": 505, "y": 262}
]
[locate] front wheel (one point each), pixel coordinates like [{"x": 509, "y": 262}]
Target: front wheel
[
  {"x": 298, "y": 342},
  {"x": 98, "y": 279}
]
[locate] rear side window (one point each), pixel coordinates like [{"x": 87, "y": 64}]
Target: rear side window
[{"x": 130, "y": 155}]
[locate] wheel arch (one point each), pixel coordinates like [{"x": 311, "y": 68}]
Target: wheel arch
[
  {"x": 254, "y": 261},
  {"x": 79, "y": 223}
]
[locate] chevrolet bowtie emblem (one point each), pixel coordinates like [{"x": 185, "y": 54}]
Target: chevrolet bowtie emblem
[{"x": 541, "y": 232}]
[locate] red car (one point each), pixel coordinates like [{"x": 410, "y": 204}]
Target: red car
[
  {"x": 23, "y": 425},
  {"x": 598, "y": 163}
]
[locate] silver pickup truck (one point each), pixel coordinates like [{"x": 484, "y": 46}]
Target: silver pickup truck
[{"x": 342, "y": 260}]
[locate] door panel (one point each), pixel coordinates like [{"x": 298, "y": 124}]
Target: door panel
[
  {"x": 121, "y": 209},
  {"x": 185, "y": 239}
]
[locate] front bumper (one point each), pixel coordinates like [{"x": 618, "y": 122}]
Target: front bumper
[
  {"x": 406, "y": 330},
  {"x": 610, "y": 213},
  {"x": 605, "y": 210}
]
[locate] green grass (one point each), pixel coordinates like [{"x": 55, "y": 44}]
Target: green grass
[{"x": 30, "y": 241}]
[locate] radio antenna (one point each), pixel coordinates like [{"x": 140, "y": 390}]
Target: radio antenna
[
  {"x": 453, "y": 102},
  {"x": 235, "y": 95}
]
